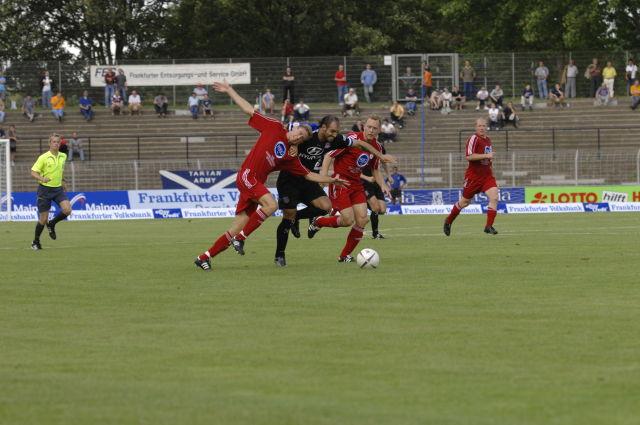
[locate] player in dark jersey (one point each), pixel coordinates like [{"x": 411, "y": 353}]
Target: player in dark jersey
[
  {"x": 478, "y": 178},
  {"x": 293, "y": 190},
  {"x": 375, "y": 198},
  {"x": 275, "y": 149}
]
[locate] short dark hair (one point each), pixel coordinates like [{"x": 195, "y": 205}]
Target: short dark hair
[{"x": 327, "y": 120}]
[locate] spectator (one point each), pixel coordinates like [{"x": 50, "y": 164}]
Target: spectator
[
  {"x": 368, "y": 78},
  {"x": 287, "y": 111},
  {"x": 109, "y": 86},
  {"x": 28, "y": 108},
  {"x": 46, "y": 84},
  {"x": 121, "y": 83},
  {"x": 288, "y": 84},
  {"x": 194, "y": 105},
  {"x": 495, "y": 117},
  {"x": 161, "y": 105},
  {"x": 556, "y": 96},
  {"x": 630, "y": 72},
  {"x": 412, "y": 99},
  {"x": 388, "y": 132},
  {"x": 635, "y": 94},
  {"x": 510, "y": 116},
  {"x": 594, "y": 74},
  {"x": 135, "y": 103},
  {"x": 2, "y": 113},
  {"x": 3, "y": 86},
  {"x": 445, "y": 100},
  {"x": 207, "y": 106},
  {"x": 497, "y": 95},
  {"x": 435, "y": 102},
  {"x": 301, "y": 111},
  {"x": 397, "y": 182},
  {"x": 458, "y": 98},
  {"x": 57, "y": 106},
  {"x": 268, "y": 101},
  {"x": 527, "y": 97},
  {"x": 358, "y": 126},
  {"x": 116, "y": 104},
  {"x": 351, "y": 104},
  {"x": 76, "y": 145},
  {"x": 542, "y": 73},
  {"x": 200, "y": 92},
  {"x": 468, "y": 75},
  {"x": 397, "y": 114},
  {"x": 570, "y": 73},
  {"x": 609, "y": 74},
  {"x": 13, "y": 143},
  {"x": 602, "y": 96},
  {"x": 340, "y": 78},
  {"x": 86, "y": 106},
  {"x": 482, "y": 97},
  {"x": 427, "y": 83},
  {"x": 408, "y": 79}
]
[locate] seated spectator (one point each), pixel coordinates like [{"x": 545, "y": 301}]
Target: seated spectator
[
  {"x": 602, "y": 96},
  {"x": 301, "y": 111},
  {"x": 510, "y": 116},
  {"x": 57, "y": 106},
  {"x": 135, "y": 103},
  {"x": 86, "y": 106},
  {"x": 28, "y": 108},
  {"x": 495, "y": 117},
  {"x": 458, "y": 98},
  {"x": 2, "y": 113},
  {"x": 445, "y": 100},
  {"x": 194, "y": 105},
  {"x": 434, "y": 100},
  {"x": 116, "y": 104},
  {"x": 76, "y": 146},
  {"x": 287, "y": 111},
  {"x": 207, "y": 106},
  {"x": 397, "y": 114},
  {"x": 527, "y": 97},
  {"x": 200, "y": 92},
  {"x": 161, "y": 105},
  {"x": 388, "y": 132},
  {"x": 268, "y": 101},
  {"x": 634, "y": 90},
  {"x": 556, "y": 96},
  {"x": 412, "y": 99},
  {"x": 358, "y": 126},
  {"x": 496, "y": 96},
  {"x": 482, "y": 97},
  {"x": 351, "y": 104}
]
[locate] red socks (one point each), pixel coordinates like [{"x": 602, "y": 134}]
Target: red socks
[
  {"x": 255, "y": 220},
  {"x": 454, "y": 213},
  {"x": 218, "y": 246},
  {"x": 491, "y": 216},
  {"x": 354, "y": 237},
  {"x": 331, "y": 221}
]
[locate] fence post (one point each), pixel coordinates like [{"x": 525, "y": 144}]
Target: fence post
[
  {"x": 506, "y": 135},
  {"x": 513, "y": 74},
  {"x": 73, "y": 176},
  {"x": 135, "y": 173},
  {"x": 513, "y": 169},
  {"x": 89, "y": 148},
  {"x": 187, "y": 148},
  {"x": 138, "y": 148},
  {"x": 576, "y": 167},
  {"x": 174, "y": 91},
  {"x": 598, "y": 141},
  {"x": 553, "y": 142},
  {"x": 485, "y": 71},
  {"x": 236, "y": 146},
  {"x": 459, "y": 141},
  {"x": 59, "y": 76},
  {"x": 638, "y": 165},
  {"x": 451, "y": 169}
]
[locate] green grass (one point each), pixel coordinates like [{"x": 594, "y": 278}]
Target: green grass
[{"x": 112, "y": 324}]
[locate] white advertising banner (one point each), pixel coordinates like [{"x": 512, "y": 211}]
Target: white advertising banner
[{"x": 176, "y": 75}]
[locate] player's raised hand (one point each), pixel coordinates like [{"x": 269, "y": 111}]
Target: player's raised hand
[
  {"x": 222, "y": 87},
  {"x": 388, "y": 159}
]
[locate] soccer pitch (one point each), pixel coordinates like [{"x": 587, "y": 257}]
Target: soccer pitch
[{"x": 113, "y": 324}]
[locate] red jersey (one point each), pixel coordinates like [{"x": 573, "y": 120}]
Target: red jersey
[
  {"x": 339, "y": 76},
  {"x": 350, "y": 161},
  {"x": 482, "y": 168},
  {"x": 271, "y": 151}
]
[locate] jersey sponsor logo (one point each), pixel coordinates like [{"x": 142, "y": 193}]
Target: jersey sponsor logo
[
  {"x": 362, "y": 160},
  {"x": 280, "y": 149},
  {"x": 488, "y": 149},
  {"x": 314, "y": 150}
]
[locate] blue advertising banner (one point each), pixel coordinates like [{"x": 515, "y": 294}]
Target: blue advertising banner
[
  {"x": 198, "y": 179},
  {"x": 90, "y": 201},
  {"x": 450, "y": 196}
]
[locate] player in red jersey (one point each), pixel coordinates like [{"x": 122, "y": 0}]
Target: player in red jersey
[
  {"x": 478, "y": 178},
  {"x": 275, "y": 149},
  {"x": 351, "y": 201}
]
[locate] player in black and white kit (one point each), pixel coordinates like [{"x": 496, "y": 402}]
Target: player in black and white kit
[
  {"x": 375, "y": 198},
  {"x": 293, "y": 190}
]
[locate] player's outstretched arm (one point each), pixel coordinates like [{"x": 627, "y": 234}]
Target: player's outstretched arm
[
  {"x": 326, "y": 163},
  {"x": 382, "y": 157},
  {"x": 38, "y": 177},
  {"x": 479, "y": 156},
  {"x": 315, "y": 177},
  {"x": 225, "y": 87},
  {"x": 377, "y": 175}
]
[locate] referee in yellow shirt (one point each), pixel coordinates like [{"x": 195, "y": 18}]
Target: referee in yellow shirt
[{"x": 48, "y": 171}]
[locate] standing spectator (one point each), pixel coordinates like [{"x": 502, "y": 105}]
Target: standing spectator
[
  {"x": 200, "y": 92},
  {"x": 121, "y": 83},
  {"x": 527, "y": 97},
  {"x": 388, "y": 132},
  {"x": 286, "y": 111},
  {"x": 135, "y": 103},
  {"x": 358, "y": 126},
  {"x": 86, "y": 106},
  {"x": 427, "y": 83},
  {"x": 556, "y": 96},
  {"x": 570, "y": 74},
  {"x": 109, "y": 86},
  {"x": 57, "y": 106},
  {"x": 288, "y": 84},
  {"x": 482, "y": 97},
  {"x": 116, "y": 104},
  {"x": 495, "y": 117},
  {"x": 609, "y": 74},
  {"x": 397, "y": 114},
  {"x": 497, "y": 95},
  {"x": 397, "y": 182},
  {"x": 268, "y": 101},
  {"x": 340, "y": 78},
  {"x": 630, "y": 72},
  {"x": 445, "y": 99},
  {"x": 28, "y": 108},
  {"x": 76, "y": 145},
  {"x": 368, "y": 78},
  {"x": 194, "y": 104},
  {"x": 3, "y": 86},
  {"x": 412, "y": 99},
  {"x": 458, "y": 98},
  {"x": 207, "y": 106},
  {"x": 350, "y": 103},
  {"x": 509, "y": 114},
  {"x": 2, "y": 113},
  {"x": 301, "y": 111},
  {"x": 408, "y": 79},
  {"x": 13, "y": 143},
  {"x": 602, "y": 96},
  {"x": 542, "y": 73},
  {"x": 635, "y": 94},
  {"x": 468, "y": 75},
  {"x": 594, "y": 74},
  {"x": 46, "y": 84},
  {"x": 161, "y": 105}
]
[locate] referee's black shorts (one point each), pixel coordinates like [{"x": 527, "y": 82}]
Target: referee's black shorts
[
  {"x": 373, "y": 190},
  {"x": 293, "y": 190},
  {"x": 47, "y": 194}
]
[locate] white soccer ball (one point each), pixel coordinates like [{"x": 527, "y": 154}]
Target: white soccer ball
[{"x": 368, "y": 259}]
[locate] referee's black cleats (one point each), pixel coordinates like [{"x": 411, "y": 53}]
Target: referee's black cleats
[
  {"x": 447, "y": 228},
  {"x": 378, "y": 235},
  {"x": 313, "y": 229},
  {"x": 490, "y": 230},
  {"x": 238, "y": 246},
  {"x": 280, "y": 262},
  {"x": 52, "y": 230},
  {"x": 203, "y": 264},
  {"x": 35, "y": 245},
  {"x": 295, "y": 229},
  {"x": 346, "y": 259}
]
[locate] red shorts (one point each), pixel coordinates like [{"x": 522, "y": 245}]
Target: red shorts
[
  {"x": 477, "y": 185},
  {"x": 250, "y": 191},
  {"x": 346, "y": 197}
]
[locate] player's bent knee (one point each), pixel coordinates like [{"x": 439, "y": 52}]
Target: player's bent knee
[
  {"x": 289, "y": 214},
  {"x": 346, "y": 221}
]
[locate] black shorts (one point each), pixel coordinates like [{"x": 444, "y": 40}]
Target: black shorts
[
  {"x": 48, "y": 194},
  {"x": 12, "y": 145},
  {"x": 396, "y": 193},
  {"x": 293, "y": 190},
  {"x": 373, "y": 189}
]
